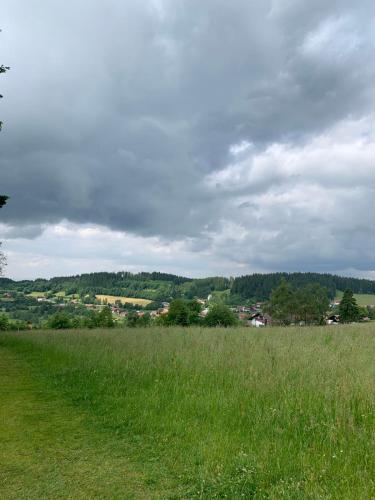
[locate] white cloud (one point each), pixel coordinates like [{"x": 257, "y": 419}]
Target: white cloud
[
  {"x": 302, "y": 207},
  {"x": 66, "y": 249}
]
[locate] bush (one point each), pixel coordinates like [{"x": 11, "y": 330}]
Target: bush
[
  {"x": 220, "y": 315},
  {"x": 134, "y": 320},
  {"x": 4, "y": 322},
  {"x": 59, "y": 321},
  {"x": 183, "y": 312},
  {"x": 105, "y": 319}
]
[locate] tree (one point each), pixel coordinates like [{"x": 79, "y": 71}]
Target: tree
[
  {"x": 308, "y": 304},
  {"x": 348, "y": 309},
  {"x": 282, "y": 303},
  {"x": 4, "y": 322},
  {"x": 135, "y": 320},
  {"x": 59, "y": 321},
  {"x": 312, "y": 304},
  {"x": 178, "y": 313},
  {"x": 220, "y": 315},
  {"x": 105, "y": 318}
]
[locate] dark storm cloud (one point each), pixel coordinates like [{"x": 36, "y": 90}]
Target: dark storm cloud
[{"x": 116, "y": 112}]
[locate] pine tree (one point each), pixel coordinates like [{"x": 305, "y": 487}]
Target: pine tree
[{"x": 348, "y": 310}]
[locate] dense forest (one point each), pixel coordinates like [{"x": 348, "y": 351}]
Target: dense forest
[
  {"x": 260, "y": 286},
  {"x": 161, "y": 286}
]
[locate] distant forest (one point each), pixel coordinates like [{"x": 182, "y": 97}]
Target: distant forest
[
  {"x": 259, "y": 286},
  {"x": 161, "y": 286}
]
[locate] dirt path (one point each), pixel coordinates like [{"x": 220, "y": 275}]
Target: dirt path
[{"x": 47, "y": 452}]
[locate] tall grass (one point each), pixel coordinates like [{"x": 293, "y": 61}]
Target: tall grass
[{"x": 274, "y": 413}]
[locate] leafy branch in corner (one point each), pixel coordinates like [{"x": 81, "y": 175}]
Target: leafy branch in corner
[
  {"x": 3, "y": 69},
  {"x": 3, "y": 198}
]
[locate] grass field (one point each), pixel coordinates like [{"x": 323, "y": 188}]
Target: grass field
[
  {"x": 111, "y": 299},
  {"x": 36, "y": 295},
  {"x": 189, "y": 413},
  {"x": 361, "y": 298}
]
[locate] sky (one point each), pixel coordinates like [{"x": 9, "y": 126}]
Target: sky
[{"x": 199, "y": 138}]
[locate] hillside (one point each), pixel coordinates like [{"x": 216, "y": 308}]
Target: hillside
[
  {"x": 151, "y": 286},
  {"x": 163, "y": 287}
]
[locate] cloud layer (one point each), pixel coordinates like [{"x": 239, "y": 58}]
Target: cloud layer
[{"x": 241, "y": 131}]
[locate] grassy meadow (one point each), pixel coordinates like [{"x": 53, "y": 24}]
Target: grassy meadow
[
  {"x": 189, "y": 413},
  {"x": 363, "y": 299}
]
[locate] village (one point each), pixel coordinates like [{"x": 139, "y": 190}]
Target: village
[{"x": 247, "y": 315}]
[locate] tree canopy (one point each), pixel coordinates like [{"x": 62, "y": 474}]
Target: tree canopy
[{"x": 288, "y": 305}]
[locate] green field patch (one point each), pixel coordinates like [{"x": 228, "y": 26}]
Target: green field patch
[
  {"x": 361, "y": 298},
  {"x": 37, "y": 295}
]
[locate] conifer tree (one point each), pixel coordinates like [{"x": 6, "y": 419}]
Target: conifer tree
[{"x": 349, "y": 310}]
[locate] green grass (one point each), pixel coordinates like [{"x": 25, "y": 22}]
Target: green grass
[
  {"x": 361, "y": 298},
  {"x": 47, "y": 451},
  {"x": 189, "y": 413},
  {"x": 36, "y": 295}
]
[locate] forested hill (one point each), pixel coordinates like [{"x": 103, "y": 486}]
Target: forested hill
[
  {"x": 153, "y": 286},
  {"x": 259, "y": 286},
  {"x": 161, "y": 286}
]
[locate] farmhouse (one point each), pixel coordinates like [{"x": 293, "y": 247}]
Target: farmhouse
[
  {"x": 258, "y": 320},
  {"x": 333, "y": 319}
]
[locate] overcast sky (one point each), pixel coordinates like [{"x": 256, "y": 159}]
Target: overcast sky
[{"x": 189, "y": 136}]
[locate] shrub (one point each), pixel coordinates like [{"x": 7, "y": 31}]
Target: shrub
[{"x": 220, "y": 315}]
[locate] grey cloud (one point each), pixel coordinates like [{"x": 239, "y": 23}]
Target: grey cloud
[{"x": 116, "y": 113}]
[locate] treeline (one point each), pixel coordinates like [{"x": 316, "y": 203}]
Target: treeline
[
  {"x": 153, "y": 286},
  {"x": 166, "y": 287},
  {"x": 260, "y": 286}
]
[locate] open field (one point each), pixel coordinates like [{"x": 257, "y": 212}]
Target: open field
[
  {"x": 36, "y": 295},
  {"x": 189, "y": 413},
  {"x": 111, "y": 299},
  {"x": 361, "y": 298}
]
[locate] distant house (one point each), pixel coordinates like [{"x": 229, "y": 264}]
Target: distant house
[
  {"x": 333, "y": 319},
  {"x": 163, "y": 311},
  {"x": 242, "y": 316},
  {"x": 43, "y": 299},
  {"x": 258, "y": 320},
  {"x": 204, "y": 312}
]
